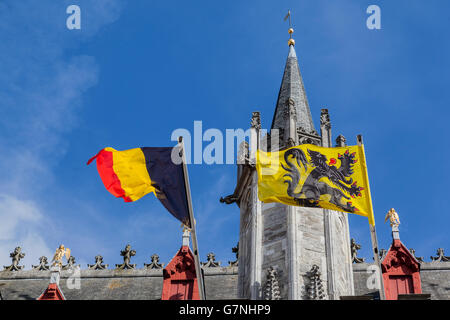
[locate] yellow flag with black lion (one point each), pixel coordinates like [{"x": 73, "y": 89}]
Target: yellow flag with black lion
[{"x": 312, "y": 176}]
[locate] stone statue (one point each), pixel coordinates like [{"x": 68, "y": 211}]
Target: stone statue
[
  {"x": 16, "y": 255},
  {"x": 59, "y": 254},
  {"x": 393, "y": 218}
]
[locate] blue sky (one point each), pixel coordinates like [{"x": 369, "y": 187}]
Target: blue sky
[{"x": 137, "y": 70}]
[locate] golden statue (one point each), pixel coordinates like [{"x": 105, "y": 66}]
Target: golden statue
[
  {"x": 59, "y": 254},
  {"x": 393, "y": 217}
]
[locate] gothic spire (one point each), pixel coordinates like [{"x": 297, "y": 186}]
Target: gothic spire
[{"x": 292, "y": 90}]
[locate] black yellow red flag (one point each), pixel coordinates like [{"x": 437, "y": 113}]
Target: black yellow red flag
[{"x": 133, "y": 173}]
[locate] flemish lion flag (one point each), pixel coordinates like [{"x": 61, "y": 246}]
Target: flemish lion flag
[
  {"x": 312, "y": 176},
  {"x": 131, "y": 174}
]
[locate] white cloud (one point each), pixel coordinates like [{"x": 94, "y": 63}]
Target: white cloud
[{"x": 41, "y": 92}]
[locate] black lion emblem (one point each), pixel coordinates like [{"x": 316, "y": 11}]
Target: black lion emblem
[{"x": 309, "y": 196}]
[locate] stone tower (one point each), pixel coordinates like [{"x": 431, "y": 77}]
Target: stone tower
[{"x": 294, "y": 241}]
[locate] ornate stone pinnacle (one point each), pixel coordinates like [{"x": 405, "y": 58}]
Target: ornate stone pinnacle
[
  {"x": 126, "y": 254},
  {"x": 272, "y": 288},
  {"x": 98, "y": 264},
  {"x": 154, "y": 263},
  {"x": 43, "y": 264},
  {"x": 315, "y": 290},
  {"x": 236, "y": 251},
  {"x": 354, "y": 247},
  {"x": 16, "y": 255},
  {"x": 341, "y": 141},
  {"x": 211, "y": 261},
  {"x": 256, "y": 120},
  {"x": 325, "y": 119},
  {"x": 440, "y": 256}
]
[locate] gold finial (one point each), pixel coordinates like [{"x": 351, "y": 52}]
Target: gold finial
[{"x": 291, "y": 30}]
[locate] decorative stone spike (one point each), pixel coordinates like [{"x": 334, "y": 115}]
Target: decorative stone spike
[
  {"x": 236, "y": 251},
  {"x": 315, "y": 290},
  {"x": 272, "y": 289},
  {"x": 256, "y": 120},
  {"x": 413, "y": 252},
  {"x": 325, "y": 119},
  {"x": 98, "y": 264},
  {"x": 341, "y": 141},
  {"x": 70, "y": 263},
  {"x": 354, "y": 247},
  {"x": 16, "y": 255},
  {"x": 126, "y": 254},
  {"x": 154, "y": 263},
  {"x": 211, "y": 261},
  {"x": 43, "y": 264},
  {"x": 440, "y": 256}
]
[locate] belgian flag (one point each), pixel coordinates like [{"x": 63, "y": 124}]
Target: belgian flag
[{"x": 133, "y": 173}]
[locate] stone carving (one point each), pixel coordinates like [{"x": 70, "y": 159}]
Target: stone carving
[
  {"x": 290, "y": 142},
  {"x": 16, "y": 255},
  {"x": 315, "y": 290},
  {"x": 154, "y": 263},
  {"x": 256, "y": 120},
  {"x": 228, "y": 199},
  {"x": 235, "y": 250},
  {"x": 354, "y": 247},
  {"x": 70, "y": 263},
  {"x": 341, "y": 141},
  {"x": 290, "y": 111},
  {"x": 440, "y": 256},
  {"x": 59, "y": 254},
  {"x": 325, "y": 119},
  {"x": 413, "y": 252},
  {"x": 43, "y": 264},
  {"x": 393, "y": 218},
  {"x": 272, "y": 289},
  {"x": 98, "y": 264},
  {"x": 211, "y": 261},
  {"x": 126, "y": 254}
]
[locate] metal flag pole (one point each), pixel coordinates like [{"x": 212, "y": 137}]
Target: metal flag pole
[
  {"x": 373, "y": 233},
  {"x": 198, "y": 269}
]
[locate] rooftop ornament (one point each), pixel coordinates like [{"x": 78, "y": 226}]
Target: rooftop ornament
[
  {"x": 16, "y": 255},
  {"x": 393, "y": 218},
  {"x": 126, "y": 254},
  {"x": 236, "y": 251},
  {"x": 98, "y": 265},
  {"x": 59, "y": 254},
  {"x": 43, "y": 264},
  {"x": 440, "y": 256},
  {"x": 413, "y": 252},
  {"x": 70, "y": 263},
  {"x": 211, "y": 261},
  {"x": 154, "y": 263},
  {"x": 354, "y": 247}
]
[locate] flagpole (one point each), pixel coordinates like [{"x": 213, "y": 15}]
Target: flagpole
[
  {"x": 198, "y": 269},
  {"x": 373, "y": 233}
]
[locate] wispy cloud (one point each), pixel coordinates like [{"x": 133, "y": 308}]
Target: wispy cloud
[{"x": 41, "y": 93}]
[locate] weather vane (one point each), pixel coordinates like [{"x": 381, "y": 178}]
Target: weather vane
[{"x": 291, "y": 30}]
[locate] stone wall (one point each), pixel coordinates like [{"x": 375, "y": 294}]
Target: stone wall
[{"x": 139, "y": 284}]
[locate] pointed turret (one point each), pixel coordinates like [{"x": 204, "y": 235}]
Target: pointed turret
[{"x": 292, "y": 101}]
